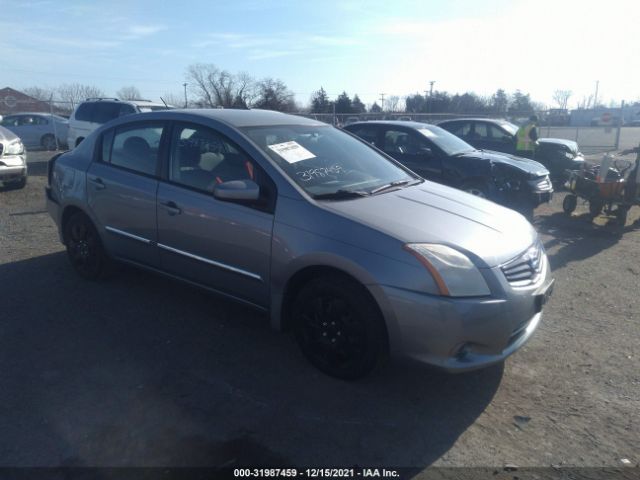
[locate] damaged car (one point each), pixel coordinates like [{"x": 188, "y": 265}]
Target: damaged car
[
  {"x": 557, "y": 154},
  {"x": 437, "y": 155},
  {"x": 13, "y": 160}
]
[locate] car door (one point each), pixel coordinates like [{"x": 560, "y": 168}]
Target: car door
[
  {"x": 414, "y": 151},
  {"x": 461, "y": 129},
  {"x": 81, "y": 124},
  {"x": 219, "y": 244},
  {"x": 122, "y": 186},
  {"x": 27, "y": 130},
  {"x": 480, "y": 134},
  {"x": 503, "y": 141},
  {"x": 41, "y": 127}
]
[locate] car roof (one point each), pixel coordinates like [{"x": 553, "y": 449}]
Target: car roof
[
  {"x": 139, "y": 103},
  {"x": 475, "y": 119},
  {"x": 29, "y": 113},
  {"x": 400, "y": 123},
  {"x": 239, "y": 117}
]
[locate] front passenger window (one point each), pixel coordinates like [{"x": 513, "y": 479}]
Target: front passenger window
[
  {"x": 136, "y": 148},
  {"x": 201, "y": 159}
]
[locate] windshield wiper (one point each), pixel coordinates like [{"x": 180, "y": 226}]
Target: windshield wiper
[
  {"x": 340, "y": 195},
  {"x": 397, "y": 183}
]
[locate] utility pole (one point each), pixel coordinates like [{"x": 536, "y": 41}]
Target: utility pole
[
  {"x": 382, "y": 101},
  {"x": 595, "y": 97},
  {"x": 430, "y": 95},
  {"x": 185, "y": 94}
]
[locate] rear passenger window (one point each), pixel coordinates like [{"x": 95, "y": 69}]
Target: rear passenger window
[
  {"x": 134, "y": 147},
  {"x": 85, "y": 112},
  {"x": 126, "y": 109},
  {"x": 106, "y": 111},
  {"x": 368, "y": 134},
  {"x": 201, "y": 158}
]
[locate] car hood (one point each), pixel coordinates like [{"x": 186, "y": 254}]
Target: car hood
[
  {"x": 7, "y": 135},
  {"x": 431, "y": 213},
  {"x": 573, "y": 146},
  {"x": 530, "y": 167}
]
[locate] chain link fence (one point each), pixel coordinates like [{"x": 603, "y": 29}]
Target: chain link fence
[{"x": 595, "y": 131}]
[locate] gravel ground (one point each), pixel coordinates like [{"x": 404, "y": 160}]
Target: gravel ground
[{"x": 140, "y": 370}]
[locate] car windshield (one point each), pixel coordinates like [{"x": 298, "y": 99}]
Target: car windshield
[
  {"x": 325, "y": 161},
  {"x": 448, "y": 142},
  {"x": 509, "y": 127}
]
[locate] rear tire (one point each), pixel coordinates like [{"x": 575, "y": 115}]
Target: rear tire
[
  {"x": 84, "y": 247},
  {"x": 569, "y": 204},
  {"x": 338, "y": 327}
]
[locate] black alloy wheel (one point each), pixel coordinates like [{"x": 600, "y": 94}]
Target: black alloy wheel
[
  {"x": 84, "y": 247},
  {"x": 338, "y": 328}
]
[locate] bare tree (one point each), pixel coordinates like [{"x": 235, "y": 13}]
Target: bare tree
[
  {"x": 174, "y": 99},
  {"x": 561, "y": 97},
  {"x": 38, "y": 93},
  {"x": 69, "y": 95},
  {"x": 129, "y": 93},
  {"x": 585, "y": 103},
  {"x": 393, "y": 103},
  {"x": 219, "y": 88}
]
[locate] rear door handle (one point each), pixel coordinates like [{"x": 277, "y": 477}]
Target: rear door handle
[
  {"x": 97, "y": 183},
  {"x": 171, "y": 208}
]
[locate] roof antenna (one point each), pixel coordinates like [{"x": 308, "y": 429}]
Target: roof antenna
[{"x": 165, "y": 103}]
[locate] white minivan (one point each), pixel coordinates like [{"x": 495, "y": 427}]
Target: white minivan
[{"x": 94, "y": 112}]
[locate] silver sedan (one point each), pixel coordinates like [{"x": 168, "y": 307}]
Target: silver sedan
[
  {"x": 13, "y": 160},
  {"x": 356, "y": 254}
]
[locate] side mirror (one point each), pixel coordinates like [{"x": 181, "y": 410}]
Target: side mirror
[
  {"x": 237, "y": 191},
  {"x": 426, "y": 151}
]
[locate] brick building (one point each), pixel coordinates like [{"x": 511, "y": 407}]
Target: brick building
[{"x": 13, "y": 101}]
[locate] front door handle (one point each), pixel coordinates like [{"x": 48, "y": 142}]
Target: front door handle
[
  {"x": 171, "y": 208},
  {"x": 97, "y": 183}
]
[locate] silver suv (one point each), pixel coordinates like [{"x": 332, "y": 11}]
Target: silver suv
[
  {"x": 355, "y": 253},
  {"x": 94, "y": 112}
]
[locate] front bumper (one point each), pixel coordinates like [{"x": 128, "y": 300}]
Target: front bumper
[
  {"x": 538, "y": 198},
  {"x": 462, "y": 334},
  {"x": 12, "y": 168}
]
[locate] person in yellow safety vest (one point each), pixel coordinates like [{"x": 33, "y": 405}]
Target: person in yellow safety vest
[{"x": 526, "y": 138}]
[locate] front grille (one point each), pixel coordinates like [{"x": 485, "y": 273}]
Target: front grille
[
  {"x": 542, "y": 184},
  {"x": 526, "y": 268}
]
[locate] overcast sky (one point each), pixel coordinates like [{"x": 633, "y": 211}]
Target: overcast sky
[{"x": 364, "y": 47}]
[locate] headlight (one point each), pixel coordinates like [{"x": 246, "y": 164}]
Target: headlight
[
  {"x": 454, "y": 274},
  {"x": 14, "y": 148}
]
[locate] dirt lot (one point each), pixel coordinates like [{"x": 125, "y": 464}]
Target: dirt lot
[{"x": 141, "y": 370}]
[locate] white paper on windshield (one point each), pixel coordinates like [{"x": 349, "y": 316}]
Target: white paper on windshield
[
  {"x": 292, "y": 151},
  {"x": 427, "y": 133}
]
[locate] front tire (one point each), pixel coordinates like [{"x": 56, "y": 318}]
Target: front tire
[
  {"x": 84, "y": 247},
  {"x": 49, "y": 142},
  {"x": 19, "y": 185},
  {"x": 338, "y": 327},
  {"x": 569, "y": 204}
]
